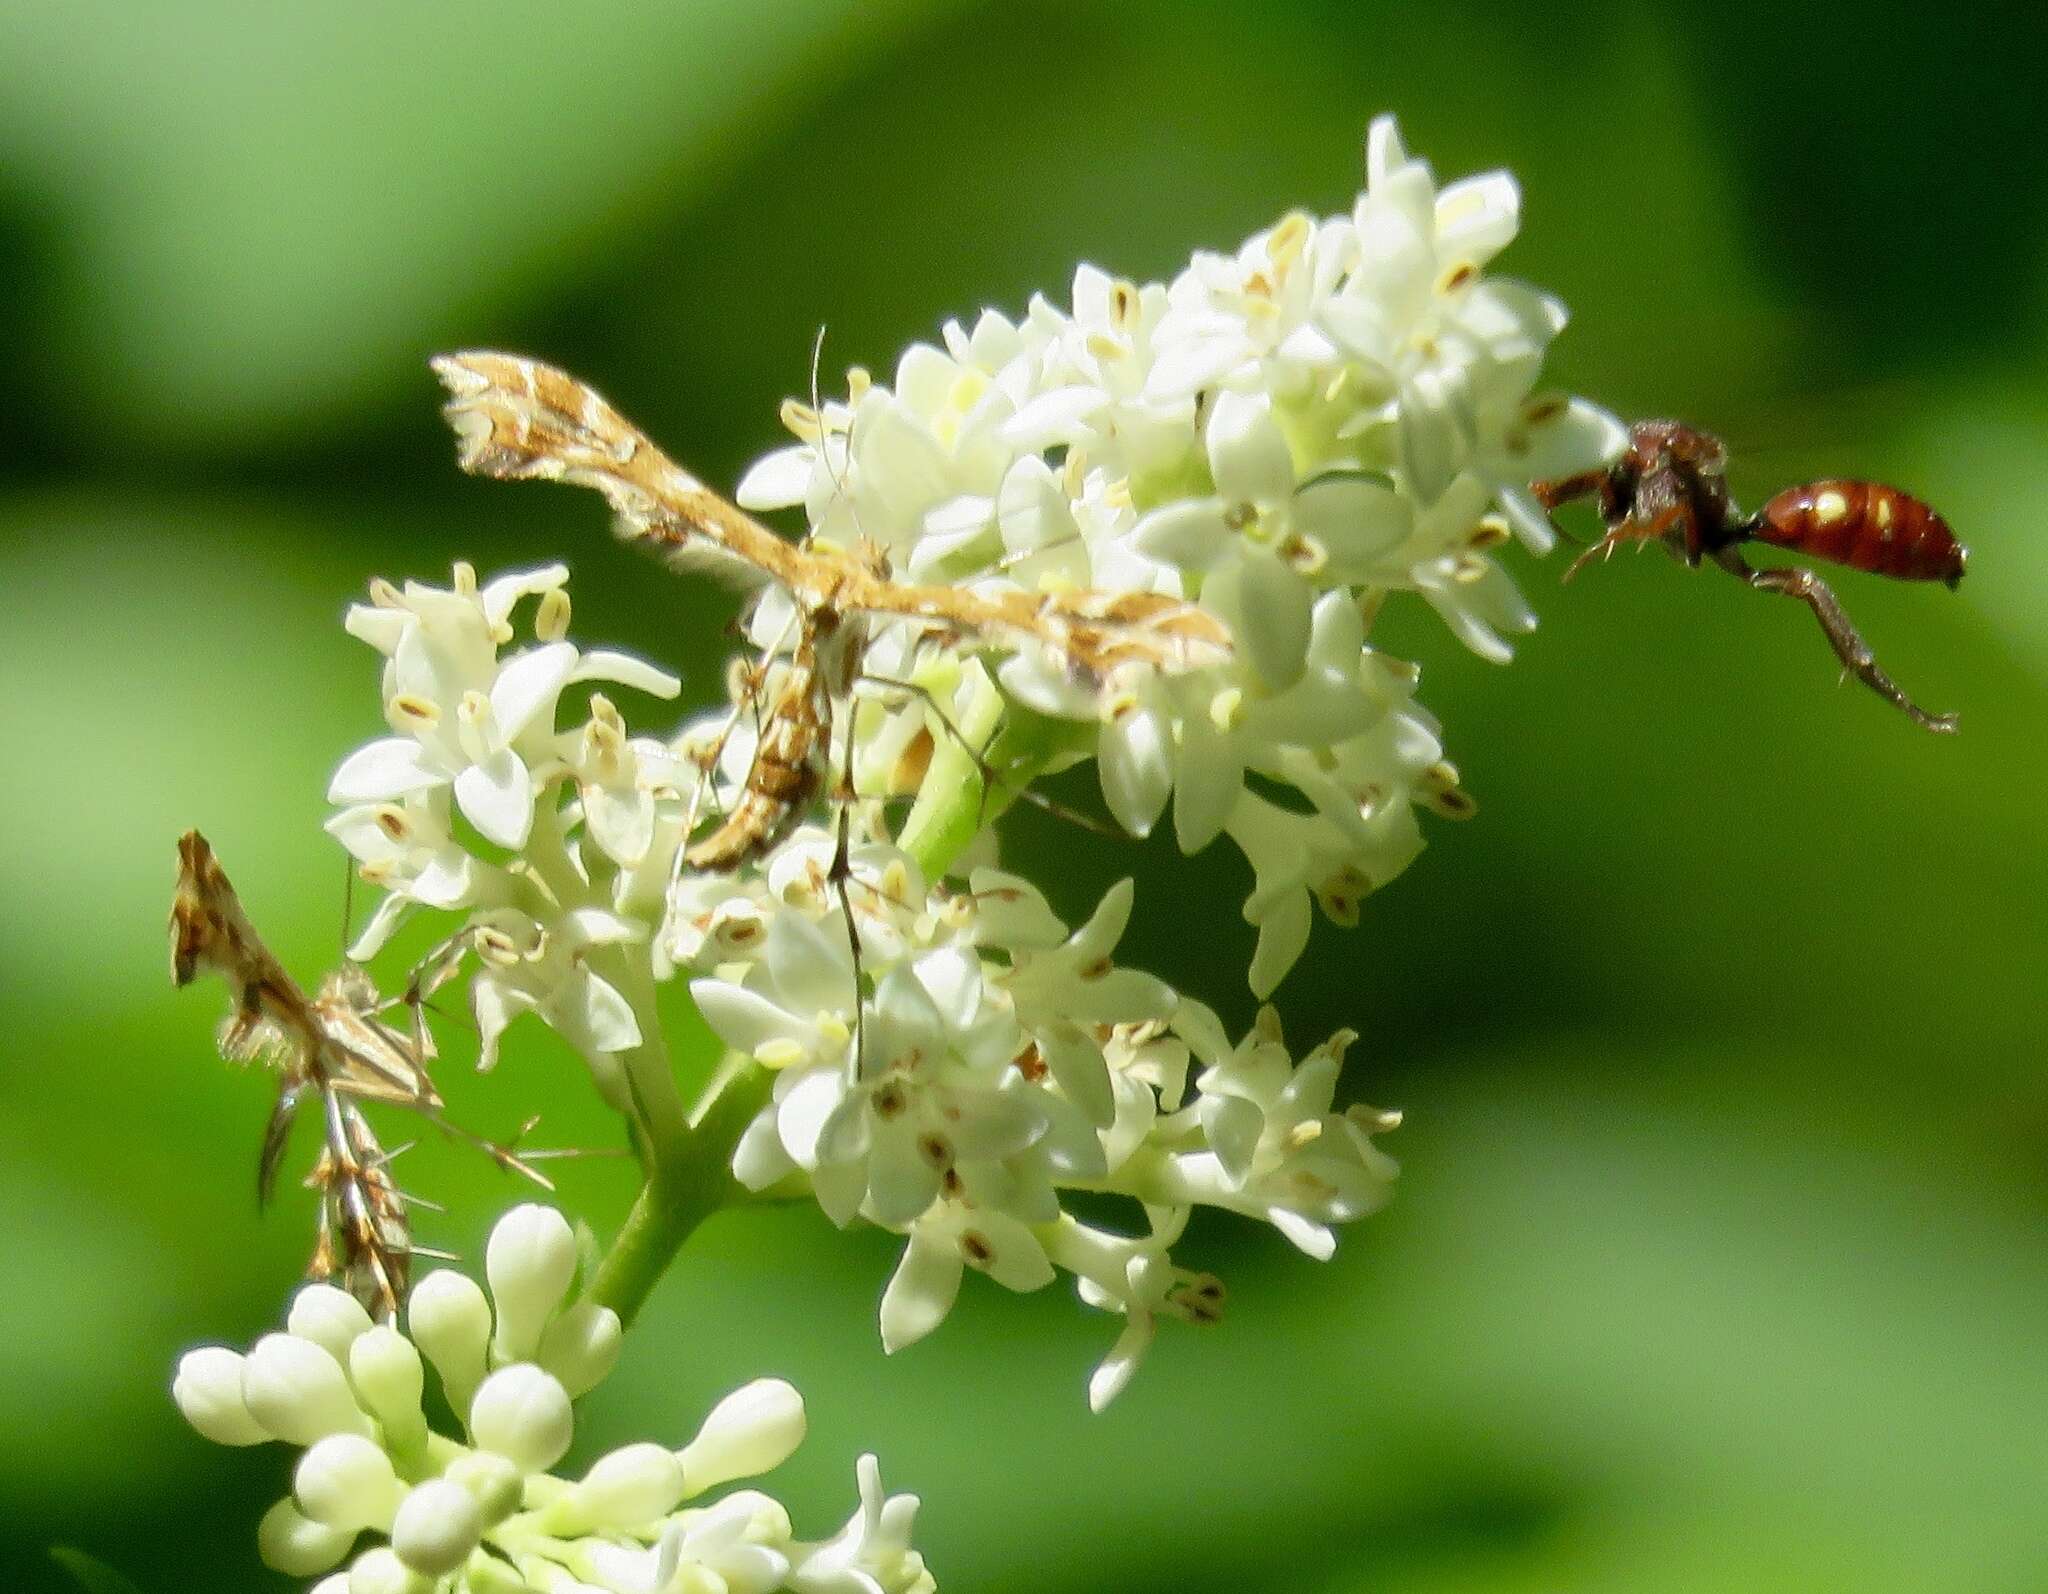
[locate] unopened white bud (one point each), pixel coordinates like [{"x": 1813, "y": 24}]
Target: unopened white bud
[
  {"x": 298, "y": 1391},
  {"x": 753, "y": 1429},
  {"x": 296, "y": 1545},
  {"x": 337, "y": 1584},
  {"x": 380, "y": 1571},
  {"x": 581, "y": 1346},
  {"x": 329, "y": 1317},
  {"x": 385, "y": 1368},
  {"x": 492, "y": 1481},
  {"x": 346, "y": 1481},
  {"x": 208, "y": 1390},
  {"x": 451, "y": 1323},
  {"x": 629, "y": 1488},
  {"x": 437, "y": 1525},
  {"x": 530, "y": 1261},
  {"x": 522, "y": 1414}
]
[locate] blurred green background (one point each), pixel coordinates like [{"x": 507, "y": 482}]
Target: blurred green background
[{"x": 1721, "y": 1258}]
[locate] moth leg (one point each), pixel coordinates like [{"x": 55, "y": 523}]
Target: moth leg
[
  {"x": 1842, "y": 636},
  {"x": 987, "y": 771}
]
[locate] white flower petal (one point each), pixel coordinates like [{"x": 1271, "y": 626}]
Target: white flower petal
[
  {"x": 921, "y": 1291},
  {"x": 527, "y": 686},
  {"x": 1232, "y": 1125},
  {"x": 497, "y": 797},
  {"x": 1274, "y": 606},
  {"x": 1189, "y": 534},
  {"x": 606, "y": 664},
  {"x": 501, "y": 593},
  {"x": 1209, "y": 776},
  {"x": 778, "y": 479},
  {"x": 1248, "y": 455},
  {"x": 1135, "y": 756},
  {"x": 745, "y": 1020},
  {"x": 1283, "y": 936},
  {"x": 1476, "y": 218},
  {"x": 901, "y": 1187},
  {"x": 592, "y": 1016},
  {"x": 392, "y": 767}
]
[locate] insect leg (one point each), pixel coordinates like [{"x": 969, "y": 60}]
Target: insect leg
[
  {"x": 841, "y": 875},
  {"x": 1565, "y": 489},
  {"x": 1625, "y": 531},
  {"x": 1842, "y": 636},
  {"x": 989, "y": 774}
]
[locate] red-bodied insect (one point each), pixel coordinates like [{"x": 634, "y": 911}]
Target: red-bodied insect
[{"x": 1671, "y": 486}]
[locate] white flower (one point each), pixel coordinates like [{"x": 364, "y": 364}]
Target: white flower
[
  {"x": 872, "y": 1553},
  {"x": 526, "y": 966},
  {"x": 481, "y": 1513},
  {"x": 1002, "y": 1062},
  {"x": 1339, "y": 412},
  {"x": 1257, "y": 544},
  {"x": 409, "y": 849},
  {"x": 719, "y": 1550},
  {"x": 463, "y": 716},
  {"x": 944, "y": 1241},
  {"x": 619, "y": 780}
]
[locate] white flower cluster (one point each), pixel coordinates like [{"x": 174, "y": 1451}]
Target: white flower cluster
[
  {"x": 486, "y": 1515},
  {"x": 987, "y": 1059},
  {"x": 1345, "y": 409},
  {"x": 463, "y": 808}
]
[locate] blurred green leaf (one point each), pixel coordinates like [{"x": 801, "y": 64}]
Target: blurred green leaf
[{"x": 395, "y": 175}]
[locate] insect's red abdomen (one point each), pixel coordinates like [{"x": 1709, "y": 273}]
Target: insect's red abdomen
[{"x": 1866, "y": 526}]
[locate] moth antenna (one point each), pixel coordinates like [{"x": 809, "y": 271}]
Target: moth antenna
[{"x": 565, "y": 1153}]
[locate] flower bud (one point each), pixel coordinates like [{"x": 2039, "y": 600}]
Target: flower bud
[
  {"x": 337, "y": 1584},
  {"x": 629, "y": 1488},
  {"x": 492, "y": 1481},
  {"x": 296, "y": 1546},
  {"x": 299, "y": 1392},
  {"x": 754, "y": 1428},
  {"x": 522, "y": 1414},
  {"x": 437, "y": 1525},
  {"x": 380, "y": 1571},
  {"x": 346, "y": 1481},
  {"x": 451, "y": 1323},
  {"x": 530, "y": 1261},
  {"x": 385, "y": 1368},
  {"x": 329, "y": 1317},
  {"x": 581, "y": 1346},
  {"x": 208, "y": 1390}
]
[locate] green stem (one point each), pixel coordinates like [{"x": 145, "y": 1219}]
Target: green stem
[
  {"x": 689, "y": 1156},
  {"x": 690, "y": 1177},
  {"x": 953, "y": 805}
]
